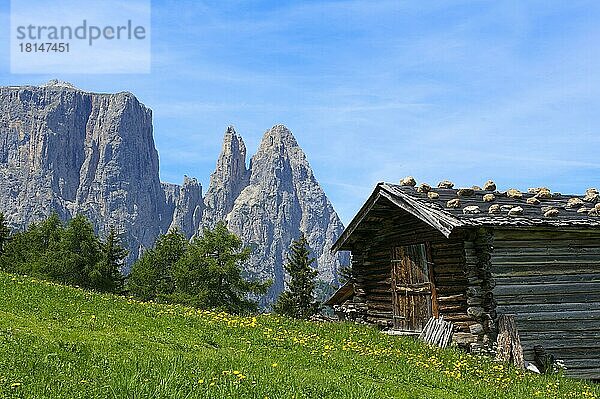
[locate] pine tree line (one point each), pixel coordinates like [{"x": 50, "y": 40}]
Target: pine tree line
[
  {"x": 205, "y": 272},
  {"x": 68, "y": 253}
]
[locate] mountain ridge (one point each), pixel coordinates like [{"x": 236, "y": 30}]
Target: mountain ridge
[{"x": 67, "y": 150}]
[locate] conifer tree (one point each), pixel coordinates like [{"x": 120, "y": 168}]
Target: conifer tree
[
  {"x": 298, "y": 300},
  {"x": 210, "y": 274},
  {"x": 107, "y": 276},
  {"x": 205, "y": 273},
  {"x": 79, "y": 253},
  {"x": 151, "y": 276},
  {"x": 4, "y": 233},
  {"x": 71, "y": 254}
]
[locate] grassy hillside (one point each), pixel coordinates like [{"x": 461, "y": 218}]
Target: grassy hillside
[{"x": 61, "y": 342}]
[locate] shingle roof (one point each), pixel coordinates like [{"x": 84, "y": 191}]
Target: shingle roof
[
  {"x": 448, "y": 208},
  {"x": 532, "y": 213}
]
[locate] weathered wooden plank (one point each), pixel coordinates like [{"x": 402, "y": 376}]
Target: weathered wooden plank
[
  {"x": 437, "y": 332},
  {"x": 510, "y": 307},
  {"x": 456, "y": 317},
  {"x": 583, "y": 363},
  {"x": 534, "y": 326},
  {"x": 381, "y": 290},
  {"x": 450, "y": 290},
  {"x": 452, "y": 298},
  {"x": 581, "y": 367},
  {"x": 569, "y": 353},
  {"x": 451, "y": 280},
  {"x": 565, "y": 258},
  {"x": 379, "y": 313},
  {"x": 546, "y": 279},
  {"x": 379, "y": 297},
  {"x": 444, "y": 309},
  {"x": 539, "y": 249},
  {"x": 562, "y": 335},
  {"x": 584, "y": 374},
  {"x": 539, "y": 289},
  {"x": 558, "y": 297},
  {"x": 442, "y": 244},
  {"x": 376, "y": 306},
  {"x": 441, "y": 263},
  {"x": 448, "y": 253},
  {"x": 553, "y": 345},
  {"x": 372, "y": 278},
  {"x": 574, "y": 315},
  {"x": 540, "y": 269},
  {"x": 544, "y": 234}
]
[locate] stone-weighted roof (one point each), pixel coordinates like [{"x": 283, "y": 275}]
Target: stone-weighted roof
[{"x": 445, "y": 207}]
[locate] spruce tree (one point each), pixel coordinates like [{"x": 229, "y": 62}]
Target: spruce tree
[
  {"x": 4, "y": 233},
  {"x": 151, "y": 276},
  {"x": 80, "y": 251},
  {"x": 107, "y": 276},
  {"x": 298, "y": 300}
]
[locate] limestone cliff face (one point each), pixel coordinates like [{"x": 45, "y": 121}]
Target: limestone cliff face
[
  {"x": 282, "y": 200},
  {"x": 65, "y": 150},
  {"x": 69, "y": 151},
  {"x": 228, "y": 180},
  {"x": 185, "y": 205}
]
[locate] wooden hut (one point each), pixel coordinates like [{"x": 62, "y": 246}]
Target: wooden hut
[{"x": 474, "y": 254}]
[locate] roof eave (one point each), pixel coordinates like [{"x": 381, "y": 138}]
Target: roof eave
[
  {"x": 358, "y": 218},
  {"x": 437, "y": 219},
  {"x": 442, "y": 221}
]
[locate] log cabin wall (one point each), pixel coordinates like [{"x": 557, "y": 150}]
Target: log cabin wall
[
  {"x": 450, "y": 279},
  {"x": 550, "y": 281},
  {"x": 534, "y": 255},
  {"x": 387, "y": 227},
  {"x": 480, "y": 304}
]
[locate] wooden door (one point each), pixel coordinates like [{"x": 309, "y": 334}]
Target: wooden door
[{"x": 412, "y": 287}]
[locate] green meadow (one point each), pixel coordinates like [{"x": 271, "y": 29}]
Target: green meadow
[{"x": 63, "y": 342}]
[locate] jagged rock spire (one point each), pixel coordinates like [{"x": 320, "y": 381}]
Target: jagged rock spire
[
  {"x": 228, "y": 180},
  {"x": 278, "y": 135},
  {"x": 282, "y": 200}
]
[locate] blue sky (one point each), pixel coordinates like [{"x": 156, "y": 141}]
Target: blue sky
[{"x": 374, "y": 90}]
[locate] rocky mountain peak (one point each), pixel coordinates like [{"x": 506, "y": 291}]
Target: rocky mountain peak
[
  {"x": 55, "y": 83},
  {"x": 233, "y": 145},
  {"x": 281, "y": 201},
  {"x": 277, "y": 138},
  {"x": 69, "y": 151},
  {"x": 228, "y": 180},
  {"x": 280, "y": 157}
]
